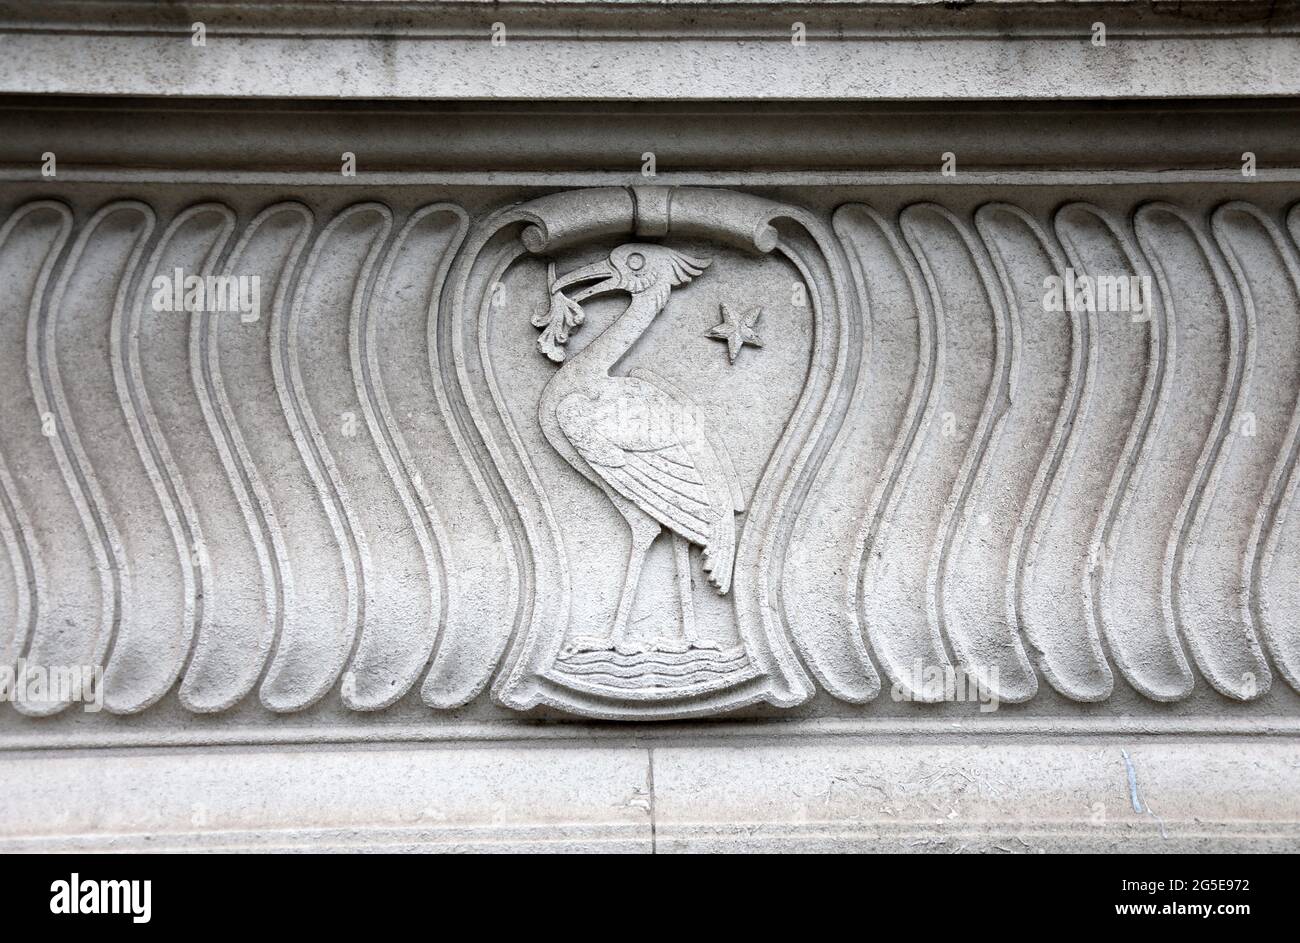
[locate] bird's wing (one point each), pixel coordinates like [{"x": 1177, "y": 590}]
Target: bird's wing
[
  {"x": 645, "y": 447},
  {"x": 725, "y": 466}
]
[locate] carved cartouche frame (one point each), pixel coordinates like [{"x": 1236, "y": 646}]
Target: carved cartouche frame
[{"x": 564, "y": 220}]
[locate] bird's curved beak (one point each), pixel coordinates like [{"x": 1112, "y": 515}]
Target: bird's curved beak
[{"x": 602, "y": 273}]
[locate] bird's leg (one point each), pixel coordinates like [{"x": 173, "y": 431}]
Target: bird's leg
[
  {"x": 682, "y": 564},
  {"x": 643, "y": 536},
  {"x": 685, "y": 638}
]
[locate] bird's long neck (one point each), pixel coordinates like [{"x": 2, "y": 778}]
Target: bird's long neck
[{"x": 602, "y": 354}]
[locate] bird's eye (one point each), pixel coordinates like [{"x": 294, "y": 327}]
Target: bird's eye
[{"x": 636, "y": 261}]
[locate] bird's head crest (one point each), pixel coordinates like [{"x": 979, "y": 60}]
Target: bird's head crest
[{"x": 634, "y": 268}]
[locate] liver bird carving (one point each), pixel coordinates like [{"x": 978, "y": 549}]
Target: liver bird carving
[{"x": 638, "y": 438}]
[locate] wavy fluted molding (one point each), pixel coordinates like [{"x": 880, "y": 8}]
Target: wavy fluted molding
[
  {"x": 31, "y": 242},
  {"x": 1108, "y": 480},
  {"x": 308, "y": 504},
  {"x": 243, "y": 558},
  {"x": 1045, "y": 386},
  {"x": 75, "y": 364}
]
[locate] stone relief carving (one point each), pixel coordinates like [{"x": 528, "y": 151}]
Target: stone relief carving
[
  {"x": 381, "y": 485},
  {"x": 737, "y": 329},
  {"x": 655, "y": 448},
  {"x": 642, "y": 441}
]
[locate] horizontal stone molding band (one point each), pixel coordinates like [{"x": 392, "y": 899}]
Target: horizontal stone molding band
[
  {"x": 859, "y": 795},
  {"x": 152, "y": 140}
]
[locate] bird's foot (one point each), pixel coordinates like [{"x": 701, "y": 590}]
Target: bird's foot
[
  {"x": 601, "y": 643},
  {"x": 632, "y": 647},
  {"x": 588, "y": 643},
  {"x": 680, "y": 646}
]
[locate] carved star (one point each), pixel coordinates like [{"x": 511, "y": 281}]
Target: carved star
[{"x": 737, "y": 330}]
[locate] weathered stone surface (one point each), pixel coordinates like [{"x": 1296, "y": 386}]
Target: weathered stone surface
[
  {"x": 574, "y": 50},
  {"x": 369, "y": 486},
  {"x": 764, "y": 432},
  {"x": 741, "y": 794}
]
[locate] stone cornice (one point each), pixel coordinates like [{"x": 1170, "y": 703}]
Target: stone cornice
[{"x": 989, "y": 49}]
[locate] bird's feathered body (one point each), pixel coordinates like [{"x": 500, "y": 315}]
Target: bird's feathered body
[{"x": 642, "y": 438}]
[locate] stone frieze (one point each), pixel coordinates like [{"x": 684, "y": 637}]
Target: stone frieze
[{"x": 649, "y": 452}]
